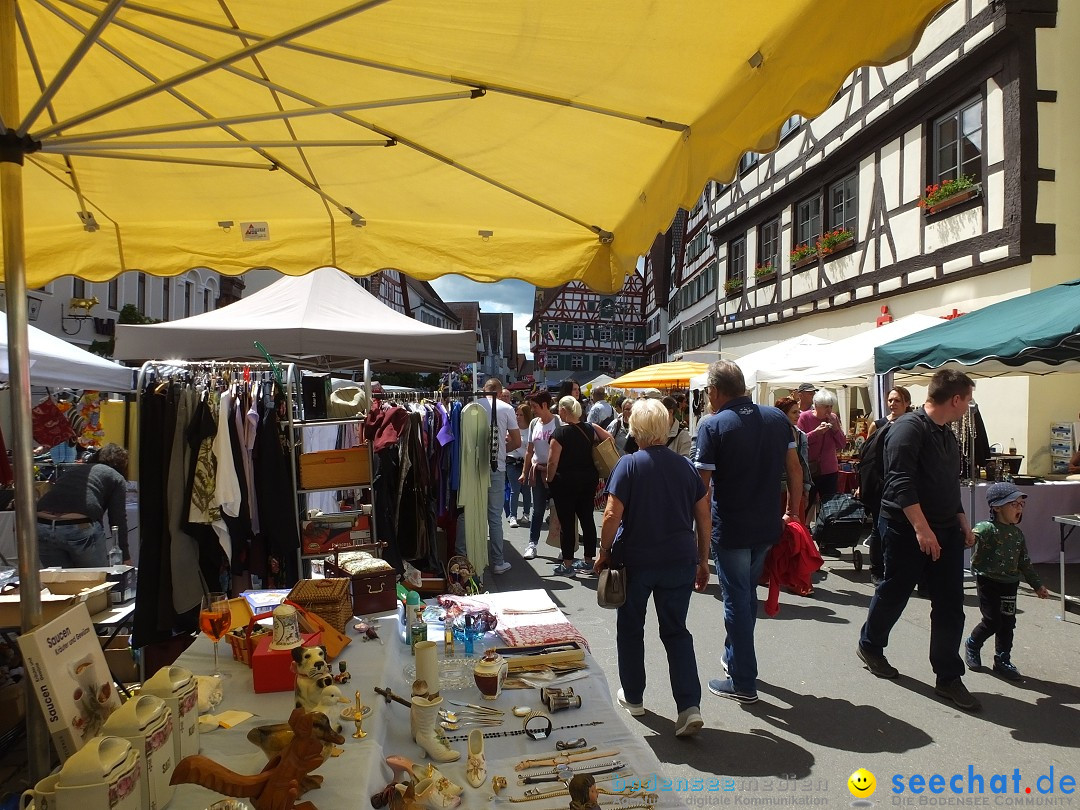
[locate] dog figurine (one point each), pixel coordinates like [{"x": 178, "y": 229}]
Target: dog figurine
[{"x": 313, "y": 675}]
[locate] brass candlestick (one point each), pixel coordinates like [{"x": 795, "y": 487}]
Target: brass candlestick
[{"x": 358, "y": 718}]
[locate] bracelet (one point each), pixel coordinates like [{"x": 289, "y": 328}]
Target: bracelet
[{"x": 537, "y": 726}]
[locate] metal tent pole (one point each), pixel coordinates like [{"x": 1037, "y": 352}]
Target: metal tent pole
[{"x": 11, "y": 206}]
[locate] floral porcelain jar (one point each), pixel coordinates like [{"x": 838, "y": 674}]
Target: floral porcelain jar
[{"x": 489, "y": 674}]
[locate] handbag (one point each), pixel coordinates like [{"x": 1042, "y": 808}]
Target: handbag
[
  {"x": 611, "y": 588},
  {"x": 50, "y": 426},
  {"x": 604, "y": 454}
]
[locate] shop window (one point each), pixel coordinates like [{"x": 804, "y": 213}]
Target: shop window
[
  {"x": 958, "y": 143},
  {"x": 843, "y": 203}
]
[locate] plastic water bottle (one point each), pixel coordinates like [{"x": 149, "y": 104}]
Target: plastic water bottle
[{"x": 116, "y": 556}]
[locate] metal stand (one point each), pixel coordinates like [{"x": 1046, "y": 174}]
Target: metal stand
[{"x": 1066, "y": 525}]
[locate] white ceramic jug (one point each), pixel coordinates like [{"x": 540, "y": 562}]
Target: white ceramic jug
[
  {"x": 42, "y": 795},
  {"x": 180, "y": 691},
  {"x": 106, "y": 772},
  {"x": 147, "y": 724}
]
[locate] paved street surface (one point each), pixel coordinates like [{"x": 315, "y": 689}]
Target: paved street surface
[{"x": 822, "y": 716}]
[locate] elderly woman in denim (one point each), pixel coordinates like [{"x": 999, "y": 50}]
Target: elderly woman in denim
[
  {"x": 825, "y": 438},
  {"x": 657, "y": 523}
]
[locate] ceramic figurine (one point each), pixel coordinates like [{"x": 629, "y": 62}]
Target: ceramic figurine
[
  {"x": 426, "y": 731},
  {"x": 584, "y": 794},
  {"x": 489, "y": 674},
  {"x": 210, "y": 692},
  {"x": 312, "y": 676},
  {"x": 343, "y": 676},
  {"x": 476, "y": 767},
  {"x": 274, "y": 788}
]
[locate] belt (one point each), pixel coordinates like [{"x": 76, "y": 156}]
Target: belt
[{"x": 65, "y": 522}]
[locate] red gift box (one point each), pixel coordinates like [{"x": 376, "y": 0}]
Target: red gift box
[{"x": 272, "y": 669}]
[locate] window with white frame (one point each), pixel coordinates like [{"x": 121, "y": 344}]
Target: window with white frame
[
  {"x": 577, "y": 361},
  {"x": 605, "y": 334},
  {"x": 791, "y": 125},
  {"x": 843, "y": 203},
  {"x": 552, "y": 361},
  {"x": 207, "y": 299},
  {"x": 769, "y": 243},
  {"x": 737, "y": 259},
  {"x": 579, "y": 332},
  {"x": 188, "y": 287},
  {"x": 808, "y": 221},
  {"x": 605, "y": 361},
  {"x": 958, "y": 143},
  {"x": 748, "y": 161}
]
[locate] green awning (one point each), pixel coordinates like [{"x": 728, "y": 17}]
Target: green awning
[{"x": 1037, "y": 333}]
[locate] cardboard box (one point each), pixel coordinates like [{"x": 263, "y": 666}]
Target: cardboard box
[
  {"x": 67, "y": 668},
  {"x": 124, "y": 579},
  {"x": 1059, "y": 466},
  {"x": 121, "y": 659},
  {"x": 322, "y": 535},
  {"x": 327, "y": 469},
  {"x": 12, "y": 706},
  {"x": 271, "y": 670},
  {"x": 1061, "y": 430},
  {"x": 67, "y": 588}
]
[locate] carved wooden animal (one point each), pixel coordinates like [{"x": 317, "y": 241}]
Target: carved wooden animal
[{"x": 283, "y": 779}]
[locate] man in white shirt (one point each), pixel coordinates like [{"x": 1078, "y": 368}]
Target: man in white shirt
[
  {"x": 601, "y": 411},
  {"x": 507, "y": 438},
  {"x": 536, "y": 459}
]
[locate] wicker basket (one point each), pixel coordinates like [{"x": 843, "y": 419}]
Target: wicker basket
[
  {"x": 330, "y": 599},
  {"x": 243, "y": 641}
]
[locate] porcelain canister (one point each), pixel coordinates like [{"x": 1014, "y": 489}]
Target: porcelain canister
[
  {"x": 147, "y": 724},
  {"x": 106, "y": 772},
  {"x": 489, "y": 674},
  {"x": 180, "y": 691}
]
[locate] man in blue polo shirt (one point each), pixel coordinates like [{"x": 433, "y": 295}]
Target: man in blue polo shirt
[{"x": 743, "y": 450}]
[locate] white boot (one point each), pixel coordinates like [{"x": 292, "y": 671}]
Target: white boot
[
  {"x": 428, "y": 733},
  {"x": 428, "y": 794},
  {"x": 476, "y": 767}
]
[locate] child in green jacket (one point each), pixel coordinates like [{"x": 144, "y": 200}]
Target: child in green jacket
[{"x": 999, "y": 560}]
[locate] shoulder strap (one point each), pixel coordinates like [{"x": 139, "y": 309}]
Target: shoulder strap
[{"x": 586, "y": 434}]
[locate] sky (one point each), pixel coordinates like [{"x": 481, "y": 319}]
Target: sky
[{"x": 502, "y": 296}]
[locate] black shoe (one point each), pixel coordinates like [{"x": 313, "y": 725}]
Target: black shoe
[
  {"x": 955, "y": 691},
  {"x": 972, "y": 656},
  {"x": 1004, "y": 667},
  {"x": 877, "y": 664}
]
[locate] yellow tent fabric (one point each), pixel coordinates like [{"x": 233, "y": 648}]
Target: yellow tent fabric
[
  {"x": 660, "y": 375},
  {"x": 546, "y": 141}
]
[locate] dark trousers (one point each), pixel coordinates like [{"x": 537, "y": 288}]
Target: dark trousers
[
  {"x": 670, "y": 587},
  {"x": 905, "y": 565},
  {"x": 574, "y": 498},
  {"x": 997, "y": 602},
  {"x": 877, "y": 559}
]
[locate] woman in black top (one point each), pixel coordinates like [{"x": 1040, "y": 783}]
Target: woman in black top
[{"x": 572, "y": 479}]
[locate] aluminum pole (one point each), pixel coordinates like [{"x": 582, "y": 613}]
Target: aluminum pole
[{"x": 11, "y": 209}]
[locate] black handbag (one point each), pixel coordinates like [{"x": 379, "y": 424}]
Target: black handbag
[{"x": 611, "y": 589}]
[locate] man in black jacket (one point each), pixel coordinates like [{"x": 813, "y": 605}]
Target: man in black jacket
[{"x": 924, "y": 532}]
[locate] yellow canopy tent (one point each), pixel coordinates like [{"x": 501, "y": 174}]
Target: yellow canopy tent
[
  {"x": 660, "y": 375},
  {"x": 546, "y": 141}
]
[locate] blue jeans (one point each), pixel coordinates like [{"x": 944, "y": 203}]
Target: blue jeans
[
  {"x": 739, "y": 570},
  {"x": 77, "y": 546},
  {"x": 905, "y": 565},
  {"x": 670, "y": 587},
  {"x": 495, "y": 521},
  {"x": 540, "y": 504},
  {"x": 516, "y": 491}
]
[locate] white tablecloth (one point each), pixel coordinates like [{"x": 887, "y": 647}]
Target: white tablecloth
[
  {"x": 351, "y": 778},
  {"x": 1043, "y": 502}
]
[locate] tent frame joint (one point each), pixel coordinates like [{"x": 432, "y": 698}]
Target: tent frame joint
[{"x": 15, "y": 147}]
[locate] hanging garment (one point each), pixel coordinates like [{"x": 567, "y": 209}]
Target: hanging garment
[
  {"x": 187, "y": 588},
  {"x": 475, "y": 481},
  {"x": 227, "y": 486},
  {"x": 274, "y": 488}
]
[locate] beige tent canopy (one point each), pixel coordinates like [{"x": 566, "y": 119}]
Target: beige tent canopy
[{"x": 323, "y": 320}]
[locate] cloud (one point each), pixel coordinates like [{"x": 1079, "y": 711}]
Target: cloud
[{"x": 501, "y": 296}]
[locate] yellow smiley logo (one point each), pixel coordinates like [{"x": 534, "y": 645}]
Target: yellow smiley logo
[{"x": 862, "y": 784}]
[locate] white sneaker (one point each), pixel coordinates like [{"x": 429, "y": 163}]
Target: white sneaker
[
  {"x": 635, "y": 709},
  {"x": 513, "y": 522},
  {"x": 689, "y": 722},
  {"x": 501, "y": 568},
  {"x": 530, "y": 553}
]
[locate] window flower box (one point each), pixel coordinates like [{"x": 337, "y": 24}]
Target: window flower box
[
  {"x": 805, "y": 261},
  {"x": 940, "y": 197},
  {"x": 733, "y": 287},
  {"x": 764, "y": 273},
  {"x": 835, "y": 241}
]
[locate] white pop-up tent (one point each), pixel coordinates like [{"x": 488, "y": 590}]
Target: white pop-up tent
[
  {"x": 55, "y": 363},
  {"x": 323, "y": 320}
]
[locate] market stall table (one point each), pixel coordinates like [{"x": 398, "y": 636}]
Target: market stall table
[
  {"x": 1044, "y": 501},
  {"x": 361, "y": 771},
  {"x": 1066, "y": 524}
]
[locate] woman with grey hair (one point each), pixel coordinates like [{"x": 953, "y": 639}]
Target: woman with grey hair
[
  {"x": 825, "y": 438},
  {"x": 69, "y": 515},
  {"x": 572, "y": 479},
  {"x": 657, "y": 524}
]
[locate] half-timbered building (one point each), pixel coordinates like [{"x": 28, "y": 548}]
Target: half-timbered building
[
  {"x": 581, "y": 334},
  {"x": 938, "y": 184}
]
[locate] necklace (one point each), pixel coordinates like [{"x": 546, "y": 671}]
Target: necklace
[
  {"x": 563, "y": 773},
  {"x": 488, "y": 735}
]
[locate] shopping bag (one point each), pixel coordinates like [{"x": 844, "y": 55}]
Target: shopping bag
[{"x": 50, "y": 425}]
